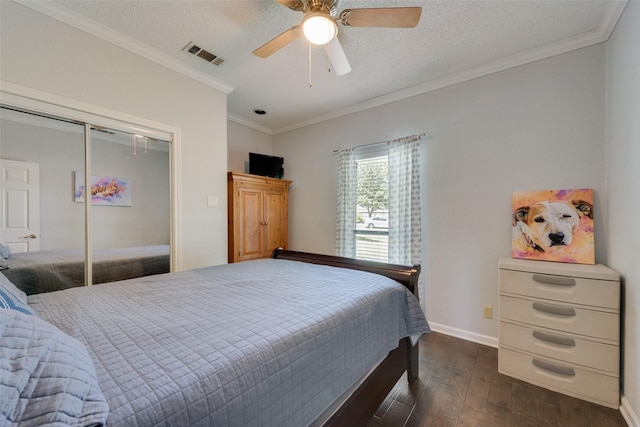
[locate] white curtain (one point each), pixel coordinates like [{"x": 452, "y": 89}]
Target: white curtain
[
  {"x": 405, "y": 217},
  {"x": 346, "y": 206}
]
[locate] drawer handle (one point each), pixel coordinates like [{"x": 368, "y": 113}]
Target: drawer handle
[
  {"x": 562, "y": 370},
  {"x": 554, "y": 309},
  {"x": 554, "y": 280},
  {"x": 568, "y": 342}
]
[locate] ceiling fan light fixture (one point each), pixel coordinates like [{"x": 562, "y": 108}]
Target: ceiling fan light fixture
[{"x": 319, "y": 28}]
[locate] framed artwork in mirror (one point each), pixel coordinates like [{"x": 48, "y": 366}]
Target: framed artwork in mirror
[{"x": 105, "y": 190}]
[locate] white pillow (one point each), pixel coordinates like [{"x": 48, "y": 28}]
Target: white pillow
[{"x": 48, "y": 377}]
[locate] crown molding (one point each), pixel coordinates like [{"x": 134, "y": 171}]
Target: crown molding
[
  {"x": 248, "y": 123},
  {"x": 601, "y": 34},
  {"x": 107, "y": 34},
  {"x": 610, "y": 18}
]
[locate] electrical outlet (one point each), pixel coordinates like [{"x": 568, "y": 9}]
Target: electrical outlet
[{"x": 487, "y": 312}]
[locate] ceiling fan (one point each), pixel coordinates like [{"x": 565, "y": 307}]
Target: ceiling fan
[{"x": 319, "y": 26}]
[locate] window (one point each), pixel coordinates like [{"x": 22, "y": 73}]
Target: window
[
  {"x": 378, "y": 215},
  {"x": 376, "y": 185},
  {"x": 372, "y": 209}
]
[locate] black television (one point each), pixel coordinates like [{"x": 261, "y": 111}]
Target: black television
[{"x": 264, "y": 165}]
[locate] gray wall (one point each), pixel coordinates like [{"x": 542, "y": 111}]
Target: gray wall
[
  {"x": 241, "y": 141},
  {"x": 623, "y": 177}
]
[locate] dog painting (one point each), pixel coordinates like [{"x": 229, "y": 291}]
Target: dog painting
[{"x": 553, "y": 225}]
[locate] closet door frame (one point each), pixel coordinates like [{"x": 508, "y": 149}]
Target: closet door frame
[{"x": 20, "y": 97}]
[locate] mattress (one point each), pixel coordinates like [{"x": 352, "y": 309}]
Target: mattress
[{"x": 258, "y": 343}]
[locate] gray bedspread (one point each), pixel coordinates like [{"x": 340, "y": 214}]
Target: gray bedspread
[
  {"x": 258, "y": 343},
  {"x": 47, "y": 271}
]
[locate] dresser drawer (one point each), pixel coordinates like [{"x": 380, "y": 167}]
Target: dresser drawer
[
  {"x": 561, "y": 346},
  {"x": 576, "y": 290},
  {"x": 561, "y": 317},
  {"x": 563, "y": 377}
]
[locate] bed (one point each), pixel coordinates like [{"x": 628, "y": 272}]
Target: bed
[
  {"x": 47, "y": 271},
  {"x": 287, "y": 341}
]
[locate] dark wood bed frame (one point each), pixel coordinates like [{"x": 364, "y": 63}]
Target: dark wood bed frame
[{"x": 362, "y": 404}]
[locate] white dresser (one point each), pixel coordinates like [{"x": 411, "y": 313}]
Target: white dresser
[{"x": 560, "y": 327}]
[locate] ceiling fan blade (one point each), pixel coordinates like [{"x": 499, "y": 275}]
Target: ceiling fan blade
[
  {"x": 390, "y": 17},
  {"x": 337, "y": 57},
  {"x": 278, "y": 42},
  {"x": 292, "y": 4}
]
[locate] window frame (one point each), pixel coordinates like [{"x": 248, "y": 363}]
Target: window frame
[{"x": 366, "y": 250}]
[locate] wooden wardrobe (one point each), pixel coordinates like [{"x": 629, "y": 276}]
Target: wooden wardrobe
[{"x": 258, "y": 219}]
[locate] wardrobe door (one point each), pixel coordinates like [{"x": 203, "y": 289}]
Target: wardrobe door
[
  {"x": 41, "y": 217},
  {"x": 130, "y": 211},
  {"x": 276, "y": 219}
]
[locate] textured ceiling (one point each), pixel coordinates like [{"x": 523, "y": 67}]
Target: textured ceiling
[{"x": 454, "y": 41}]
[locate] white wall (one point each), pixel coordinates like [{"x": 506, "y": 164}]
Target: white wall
[
  {"x": 241, "y": 141},
  {"x": 538, "y": 126},
  {"x": 623, "y": 178},
  {"x": 41, "y": 53}
]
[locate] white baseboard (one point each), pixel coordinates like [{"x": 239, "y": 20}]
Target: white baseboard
[
  {"x": 465, "y": 335},
  {"x": 626, "y": 410},
  {"x": 628, "y": 413}
]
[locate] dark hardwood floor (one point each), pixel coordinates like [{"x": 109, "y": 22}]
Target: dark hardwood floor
[{"x": 459, "y": 385}]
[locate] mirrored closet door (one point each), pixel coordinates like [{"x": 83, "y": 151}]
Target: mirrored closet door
[{"x": 56, "y": 238}]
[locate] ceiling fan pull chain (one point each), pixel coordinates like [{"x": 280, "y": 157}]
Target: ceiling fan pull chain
[{"x": 310, "y": 84}]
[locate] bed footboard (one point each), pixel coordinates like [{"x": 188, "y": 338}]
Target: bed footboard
[
  {"x": 366, "y": 399},
  {"x": 362, "y": 404}
]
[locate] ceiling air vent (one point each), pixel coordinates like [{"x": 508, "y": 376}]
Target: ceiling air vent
[{"x": 207, "y": 56}]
